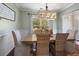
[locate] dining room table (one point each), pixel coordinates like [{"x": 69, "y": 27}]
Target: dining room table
[{"x": 30, "y": 38}]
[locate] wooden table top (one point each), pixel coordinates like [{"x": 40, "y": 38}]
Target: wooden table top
[{"x": 32, "y": 37}]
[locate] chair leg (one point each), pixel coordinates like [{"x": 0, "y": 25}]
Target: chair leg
[
  {"x": 33, "y": 49},
  {"x": 52, "y": 49}
]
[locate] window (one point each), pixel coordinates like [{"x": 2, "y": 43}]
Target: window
[{"x": 37, "y": 23}]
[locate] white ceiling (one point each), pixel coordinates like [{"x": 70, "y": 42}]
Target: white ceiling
[{"x": 37, "y": 6}]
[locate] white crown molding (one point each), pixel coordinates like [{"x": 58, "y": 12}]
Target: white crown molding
[{"x": 67, "y": 7}]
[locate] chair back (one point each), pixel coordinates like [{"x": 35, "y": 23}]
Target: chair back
[
  {"x": 43, "y": 43},
  {"x": 15, "y": 38},
  {"x": 72, "y": 34},
  {"x": 60, "y": 43}
]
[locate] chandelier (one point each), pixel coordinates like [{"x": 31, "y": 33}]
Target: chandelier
[{"x": 48, "y": 14}]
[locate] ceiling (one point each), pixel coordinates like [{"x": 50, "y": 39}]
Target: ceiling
[{"x": 37, "y": 6}]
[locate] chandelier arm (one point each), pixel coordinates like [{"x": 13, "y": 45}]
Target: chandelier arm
[{"x": 50, "y": 14}]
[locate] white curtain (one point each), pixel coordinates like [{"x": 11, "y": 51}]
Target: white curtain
[{"x": 66, "y": 22}]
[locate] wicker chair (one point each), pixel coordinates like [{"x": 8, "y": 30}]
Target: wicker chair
[
  {"x": 20, "y": 48},
  {"x": 60, "y": 44},
  {"x": 43, "y": 43}
]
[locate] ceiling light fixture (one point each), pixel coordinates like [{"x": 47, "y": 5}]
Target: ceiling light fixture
[{"x": 49, "y": 14}]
